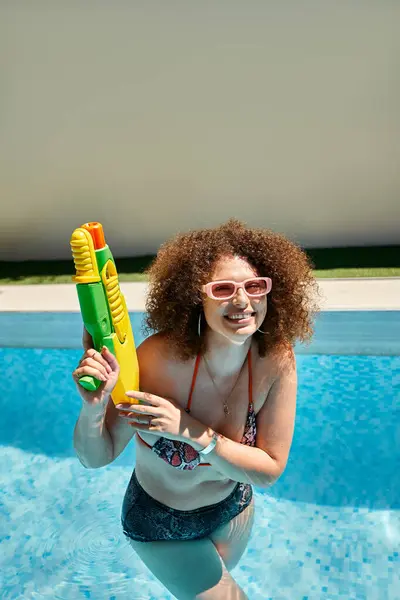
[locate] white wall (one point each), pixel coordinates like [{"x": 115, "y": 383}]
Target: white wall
[{"x": 159, "y": 116}]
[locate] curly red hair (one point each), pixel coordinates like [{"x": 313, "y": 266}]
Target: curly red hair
[{"x": 186, "y": 262}]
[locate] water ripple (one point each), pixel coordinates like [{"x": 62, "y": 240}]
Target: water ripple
[{"x": 90, "y": 555}]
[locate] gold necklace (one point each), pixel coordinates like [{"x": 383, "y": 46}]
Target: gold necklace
[{"x": 224, "y": 399}]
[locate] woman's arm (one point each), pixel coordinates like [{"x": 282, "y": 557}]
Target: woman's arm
[
  {"x": 100, "y": 435},
  {"x": 92, "y": 441},
  {"x": 264, "y": 464}
]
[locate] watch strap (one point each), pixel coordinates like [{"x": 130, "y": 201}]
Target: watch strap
[{"x": 211, "y": 445}]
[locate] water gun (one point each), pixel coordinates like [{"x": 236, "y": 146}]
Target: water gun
[{"x": 103, "y": 308}]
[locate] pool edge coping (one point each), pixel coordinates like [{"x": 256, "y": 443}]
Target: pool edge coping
[{"x": 357, "y": 294}]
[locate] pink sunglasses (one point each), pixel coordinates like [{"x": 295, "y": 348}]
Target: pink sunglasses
[{"x": 225, "y": 290}]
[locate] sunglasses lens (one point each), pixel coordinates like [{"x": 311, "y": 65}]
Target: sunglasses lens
[
  {"x": 256, "y": 287},
  {"x": 222, "y": 290}
]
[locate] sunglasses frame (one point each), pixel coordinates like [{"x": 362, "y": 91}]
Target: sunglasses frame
[{"x": 207, "y": 288}]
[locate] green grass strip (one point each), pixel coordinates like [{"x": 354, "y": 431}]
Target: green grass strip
[{"x": 375, "y": 261}]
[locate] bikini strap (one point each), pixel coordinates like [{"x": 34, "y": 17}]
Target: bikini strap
[
  {"x": 196, "y": 368},
  {"x": 249, "y": 366}
]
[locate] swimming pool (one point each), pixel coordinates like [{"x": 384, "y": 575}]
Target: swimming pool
[{"x": 328, "y": 529}]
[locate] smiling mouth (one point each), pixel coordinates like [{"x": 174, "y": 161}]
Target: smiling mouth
[{"x": 239, "y": 317}]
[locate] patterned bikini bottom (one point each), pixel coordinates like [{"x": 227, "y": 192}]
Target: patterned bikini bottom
[{"x": 144, "y": 519}]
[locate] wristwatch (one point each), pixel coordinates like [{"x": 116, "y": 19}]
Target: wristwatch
[{"x": 211, "y": 445}]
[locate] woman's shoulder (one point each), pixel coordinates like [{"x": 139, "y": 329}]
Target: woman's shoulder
[
  {"x": 154, "y": 348},
  {"x": 156, "y": 351},
  {"x": 279, "y": 359},
  {"x": 159, "y": 369}
]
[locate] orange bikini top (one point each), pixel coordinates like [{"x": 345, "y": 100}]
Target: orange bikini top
[{"x": 183, "y": 456}]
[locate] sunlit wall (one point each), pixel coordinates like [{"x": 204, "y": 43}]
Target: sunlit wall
[{"x": 155, "y": 117}]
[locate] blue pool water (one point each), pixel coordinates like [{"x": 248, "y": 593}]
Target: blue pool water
[{"x": 328, "y": 529}]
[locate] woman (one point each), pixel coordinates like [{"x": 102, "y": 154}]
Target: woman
[{"x": 218, "y": 400}]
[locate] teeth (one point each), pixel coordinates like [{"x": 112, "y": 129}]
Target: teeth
[{"x": 240, "y": 316}]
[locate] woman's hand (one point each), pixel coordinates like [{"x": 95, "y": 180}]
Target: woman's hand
[
  {"x": 156, "y": 415},
  {"x": 101, "y": 365}
]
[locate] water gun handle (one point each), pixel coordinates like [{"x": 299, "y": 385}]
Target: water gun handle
[
  {"x": 90, "y": 383},
  {"x": 97, "y": 321}
]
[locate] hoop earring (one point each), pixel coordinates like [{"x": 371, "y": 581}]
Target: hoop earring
[
  {"x": 264, "y": 332},
  {"x": 199, "y": 325}
]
